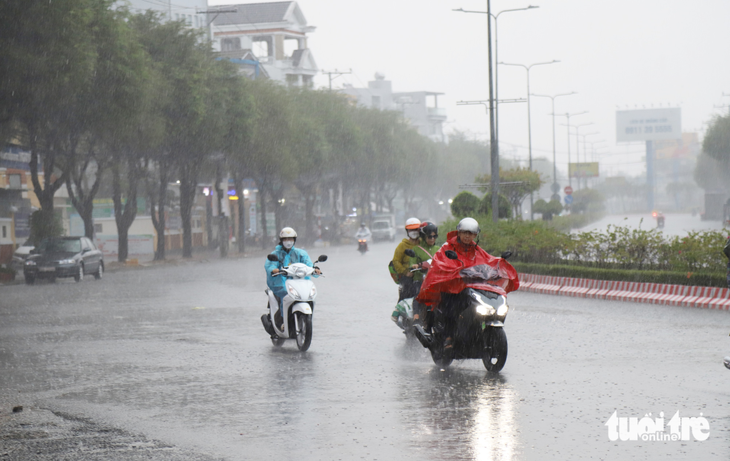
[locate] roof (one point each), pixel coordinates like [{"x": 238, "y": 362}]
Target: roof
[{"x": 258, "y": 13}]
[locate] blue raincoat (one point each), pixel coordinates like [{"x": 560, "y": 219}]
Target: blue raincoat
[{"x": 278, "y": 284}]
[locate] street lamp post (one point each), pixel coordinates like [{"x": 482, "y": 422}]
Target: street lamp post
[
  {"x": 555, "y": 186},
  {"x": 529, "y": 123},
  {"x": 567, "y": 116},
  {"x": 577, "y": 143},
  {"x": 493, "y": 105},
  {"x": 585, "y": 155},
  {"x": 496, "y": 58}
]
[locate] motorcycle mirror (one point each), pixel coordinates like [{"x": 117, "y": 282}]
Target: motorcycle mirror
[
  {"x": 322, "y": 258},
  {"x": 451, "y": 254},
  {"x": 272, "y": 258},
  {"x": 410, "y": 253},
  {"x": 506, "y": 254}
]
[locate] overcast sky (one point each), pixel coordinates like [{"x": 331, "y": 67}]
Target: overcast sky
[{"x": 619, "y": 54}]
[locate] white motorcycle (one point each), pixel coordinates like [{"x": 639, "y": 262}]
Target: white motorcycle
[{"x": 298, "y": 305}]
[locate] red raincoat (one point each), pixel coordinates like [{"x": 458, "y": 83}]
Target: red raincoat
[{"x": 452, "y": 276}]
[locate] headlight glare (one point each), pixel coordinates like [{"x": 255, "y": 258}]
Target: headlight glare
[{"x": 30, "y": 262}]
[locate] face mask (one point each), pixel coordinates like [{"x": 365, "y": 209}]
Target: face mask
[
  {"x": 288, "y": 244},
  {"x": 413, "y": 234}
]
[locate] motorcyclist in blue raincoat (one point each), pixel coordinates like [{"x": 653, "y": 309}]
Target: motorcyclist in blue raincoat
[{"x": 287, "y": 254}]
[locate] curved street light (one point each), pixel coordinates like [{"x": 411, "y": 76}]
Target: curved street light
[
  {"x": 529, "y": 123},
  {"x": 555, "y": 185}
]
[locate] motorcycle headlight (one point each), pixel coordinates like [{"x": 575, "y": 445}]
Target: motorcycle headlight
[
  {"x": 300, "y": 273},
  {"x": 502, "y": 310},
  {"x": 313, "y": 292},
  {"x": 292, "y": 292},
  {"x": 482, "y": 308}
]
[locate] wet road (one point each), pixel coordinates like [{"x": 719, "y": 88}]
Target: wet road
[
  {"x": 178, "y": 354},
  {"x": 674, "y": 223}
]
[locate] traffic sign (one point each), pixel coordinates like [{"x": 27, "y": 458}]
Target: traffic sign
[
  {"x": 555, "y": 197},
  {"x": 555, "y": 187},
  {"x": 568, "y": 199},
  {"x": 568, "y": 190}
]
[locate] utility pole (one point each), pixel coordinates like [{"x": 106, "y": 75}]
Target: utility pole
[{"x": 336, "y": 74}]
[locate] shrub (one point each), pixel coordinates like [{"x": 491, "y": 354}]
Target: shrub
[
  {"x": 465, "y": 204},
  {"x": 503, "y": 205}
]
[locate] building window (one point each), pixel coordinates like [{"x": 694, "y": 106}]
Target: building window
[
  {"x": 292, "y": 79},
  {"x": 13, "y": 181},
  {"x": 98, "y": 228},
  {"x": 5, "y": 232},
  {"x": 307, "y": 81},
  {"x": 376, "y": 102},
  {"x": 230, "y": 44}
]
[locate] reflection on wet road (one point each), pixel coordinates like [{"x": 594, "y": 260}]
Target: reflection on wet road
[{"x": 179, "y": 355}]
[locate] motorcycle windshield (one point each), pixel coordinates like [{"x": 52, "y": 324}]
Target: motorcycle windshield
[{"x": 484, "y": 277}]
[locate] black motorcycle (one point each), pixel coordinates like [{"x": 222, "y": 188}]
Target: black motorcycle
[
  {"x": 362, "y": 246},
  {"x": 478, "y": 317}
]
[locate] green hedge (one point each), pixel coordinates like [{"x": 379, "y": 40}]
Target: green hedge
[{"x": 718, "y": 279}]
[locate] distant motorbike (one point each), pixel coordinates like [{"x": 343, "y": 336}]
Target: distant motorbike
[
  {"x": 659, "y": 219},
  {"x": 479, "y": 314},
  {"x": 362, "y": 246},
  {"x": 298, "y": 305}
]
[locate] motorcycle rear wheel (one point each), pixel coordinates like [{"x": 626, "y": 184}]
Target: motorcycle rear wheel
[
  {"x": 304, "y": 335},
  {"x": 495, "y": 350}
]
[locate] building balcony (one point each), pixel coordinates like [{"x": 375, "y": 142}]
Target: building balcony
[{"x": 436, "y": 113}]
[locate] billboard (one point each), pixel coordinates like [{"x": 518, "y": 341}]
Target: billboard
[
  {"x": 685, "y": 147},
  {"x": 648, "y": 124},
  {"x": 583, "y": 170}
]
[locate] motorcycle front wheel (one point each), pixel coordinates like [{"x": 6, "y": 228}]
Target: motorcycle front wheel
[
  {"x": 495, "y": 350},
  {"x": 304, "y": 335},
  {"x": 277, "y": 342}
]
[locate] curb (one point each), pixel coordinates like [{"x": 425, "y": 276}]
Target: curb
[{"x": 650, "y": 293}]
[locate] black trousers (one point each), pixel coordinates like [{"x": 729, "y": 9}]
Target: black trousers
[
  {"x": 447, "y": 312},
  {"x": 408, "y": 288}
]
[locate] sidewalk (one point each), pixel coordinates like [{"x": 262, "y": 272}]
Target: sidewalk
[{"x": 171, "y": 257}]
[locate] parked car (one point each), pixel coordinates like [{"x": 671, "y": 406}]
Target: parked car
[
  {"x": 64, "y": 257},
  {"x": 383, "y": 230},
  {"x": 20, "y": 255}
]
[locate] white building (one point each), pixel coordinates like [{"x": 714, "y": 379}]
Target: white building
[
  {"x": 420, "y": 108},
  {"x": 274, "y": 33},
  {"x": 193, "y": 12}
]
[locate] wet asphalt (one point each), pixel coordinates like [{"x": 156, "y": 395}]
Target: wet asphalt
[{"x": 172, "y": 363}]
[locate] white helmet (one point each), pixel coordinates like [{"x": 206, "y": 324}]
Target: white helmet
[
  {"x": 287, "y": 232},
  {"x": 468, "y": 225},
  {"x": 413, "y": 224}
]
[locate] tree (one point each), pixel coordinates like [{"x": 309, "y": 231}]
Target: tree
[
  {"x": 269, "y": 147},
  {"x": 109, "y": 105},
  {"x": 717, "y": 139},
  {"x": 518, "y": 183},
  {"x": 48, "y": 58}
]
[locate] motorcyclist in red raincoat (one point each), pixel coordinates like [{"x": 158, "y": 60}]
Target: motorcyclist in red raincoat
[{"x": 447, "y": 278}]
